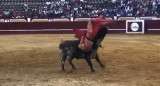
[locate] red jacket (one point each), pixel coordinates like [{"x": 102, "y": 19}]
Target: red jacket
[
  {"x": 79, "y": 33},
  {"x": 97, "y": 23},
  {"x": 92, "y": 31},
  {"x": 86, "y": 37}
]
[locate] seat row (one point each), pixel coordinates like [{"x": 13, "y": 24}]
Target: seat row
[{"x": 24, "y": 0}]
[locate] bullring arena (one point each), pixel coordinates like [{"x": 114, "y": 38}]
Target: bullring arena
[
  {"x": 34, "y": 60},
  {"x": 31, "y": 59}
]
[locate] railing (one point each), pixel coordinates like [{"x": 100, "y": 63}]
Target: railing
[{"x": 77, "y": 19}]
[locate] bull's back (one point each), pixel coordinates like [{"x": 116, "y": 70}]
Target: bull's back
[
  {"x": 68, "y": 43},
  {"x": 70, "y": 48}
]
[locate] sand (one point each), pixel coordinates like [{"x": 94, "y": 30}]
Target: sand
[{"x": 34, "y": 60}]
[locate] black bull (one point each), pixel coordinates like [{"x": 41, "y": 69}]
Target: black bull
[{"x": 69, "y": 48}]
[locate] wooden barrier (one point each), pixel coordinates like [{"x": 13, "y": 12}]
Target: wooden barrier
[
  {"x": 40, "y": 20},
  {"x": 61, "y": 20},
  {"x": 125, "y": 18},
  {"x": 1, "y": 20},
  {"x": 17, "y": 20},
  {"x": 82, "y": 19},
  {"x": 108, "y": 19},
  {"x": 148, "y": 18},
  {"x": 151, "y": 27}
]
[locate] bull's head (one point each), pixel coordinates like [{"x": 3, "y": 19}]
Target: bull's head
[{"x": 61, "y": 45}]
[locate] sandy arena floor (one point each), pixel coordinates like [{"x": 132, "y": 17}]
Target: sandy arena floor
[{"x": 33, "y": 60}]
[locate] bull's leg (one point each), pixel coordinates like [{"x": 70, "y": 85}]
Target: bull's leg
[
  {"x": 97, "y": 59},
  {"x": 70, "y": 61},
  {"x": 89, "y": 63},
  {"x": 63, "y": 61}
]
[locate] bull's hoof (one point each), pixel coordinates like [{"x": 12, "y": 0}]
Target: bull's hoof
[
  {"x": 74, "y": 68},
  {"x": 92, "y": 70},
  {"x": 63, "y": 70},
  {"x": 102, "y": 66}
]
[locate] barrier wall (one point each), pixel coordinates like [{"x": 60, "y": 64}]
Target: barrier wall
[
  {"x": 40, "y": 27},
  {"x": 151, "y": 27}
]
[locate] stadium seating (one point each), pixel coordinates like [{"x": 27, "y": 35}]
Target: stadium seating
[
  {"x": 18, "y": 5},
  {"x": 88, "y": 8}
]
